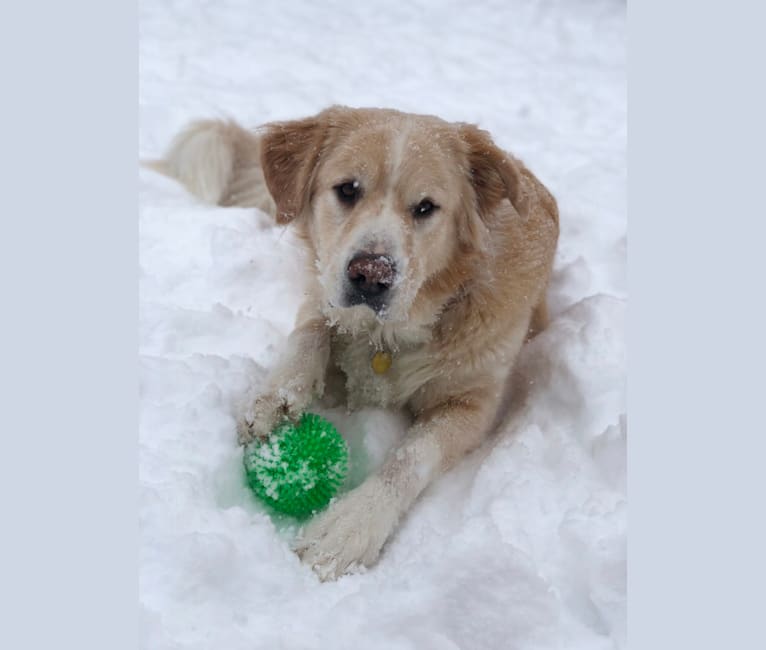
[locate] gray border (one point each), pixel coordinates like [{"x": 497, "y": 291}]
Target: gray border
[
  {"x": 68, "y": 254},
  {"x": 696, "y": 449}
]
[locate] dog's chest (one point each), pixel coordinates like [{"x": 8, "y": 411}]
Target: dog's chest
[{"x": 366, "y": 387}]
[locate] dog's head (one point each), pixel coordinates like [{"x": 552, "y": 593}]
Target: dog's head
[{"x": 395, "y": 207}]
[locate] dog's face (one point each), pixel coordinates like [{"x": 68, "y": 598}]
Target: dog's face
[
  {"x": 384, "y": 214},
  {"x": 393, "y": 205}
]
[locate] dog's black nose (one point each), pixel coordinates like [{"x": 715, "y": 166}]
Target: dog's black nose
[{"x": 370, "y": 277}]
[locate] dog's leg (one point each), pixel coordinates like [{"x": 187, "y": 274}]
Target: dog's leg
[
  {"x": 219, "y": 162},
  {"x": 292, "y": 385},
  {"x": 354, "y": 528},
  {"x": 539, "y": 319}
]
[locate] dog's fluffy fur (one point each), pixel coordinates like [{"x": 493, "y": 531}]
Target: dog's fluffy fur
[{"x": 469, "y": 288}]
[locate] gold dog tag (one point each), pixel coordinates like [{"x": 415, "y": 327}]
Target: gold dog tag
[{"x": 381, "y": 362}]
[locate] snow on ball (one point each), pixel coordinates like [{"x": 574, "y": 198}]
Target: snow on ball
[{"x": 300, "y": 467}]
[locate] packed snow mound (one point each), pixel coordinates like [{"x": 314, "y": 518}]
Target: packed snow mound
[{"x": 523, "y": 545}]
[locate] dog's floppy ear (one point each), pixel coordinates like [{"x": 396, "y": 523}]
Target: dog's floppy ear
[
  {"x": 289, "y": 154},
  {"x": 494, "y": 174}
]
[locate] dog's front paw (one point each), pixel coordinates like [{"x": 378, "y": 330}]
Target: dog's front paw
[
  {"x": 261, "y": 414},
  {"x": 351, "y": 532}
]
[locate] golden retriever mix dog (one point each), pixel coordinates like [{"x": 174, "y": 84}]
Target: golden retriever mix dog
[{"x": 428, "y": 255}]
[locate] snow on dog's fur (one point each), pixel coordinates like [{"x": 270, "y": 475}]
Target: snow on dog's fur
[{"x": 464, "y": 238}]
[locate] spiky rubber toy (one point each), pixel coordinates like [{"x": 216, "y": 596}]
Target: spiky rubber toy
[{"x": 300, "y": 467}]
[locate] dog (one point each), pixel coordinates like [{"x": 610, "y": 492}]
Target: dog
[{"x": 428, "y": 255}]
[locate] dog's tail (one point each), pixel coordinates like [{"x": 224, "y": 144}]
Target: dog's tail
[{"x": 219, "y": 162}]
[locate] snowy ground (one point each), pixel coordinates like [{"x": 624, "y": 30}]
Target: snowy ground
[{"x": 524, "y": 544}]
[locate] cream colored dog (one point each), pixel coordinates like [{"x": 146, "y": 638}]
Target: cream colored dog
[{"x": 429, "y": 251}]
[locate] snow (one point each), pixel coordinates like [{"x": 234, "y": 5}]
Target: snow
[{"x": 524, "y": 544}]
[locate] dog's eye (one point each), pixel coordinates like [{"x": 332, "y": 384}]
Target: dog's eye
[
  {"x": 348, "y": 192},
  {"x": 424, "y": 209}
]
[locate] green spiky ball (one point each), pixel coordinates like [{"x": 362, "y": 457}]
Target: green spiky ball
[{"x": 300, "y": 467}]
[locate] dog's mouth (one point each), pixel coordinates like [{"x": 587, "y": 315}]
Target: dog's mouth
[{"x": 378, "y": 303}]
